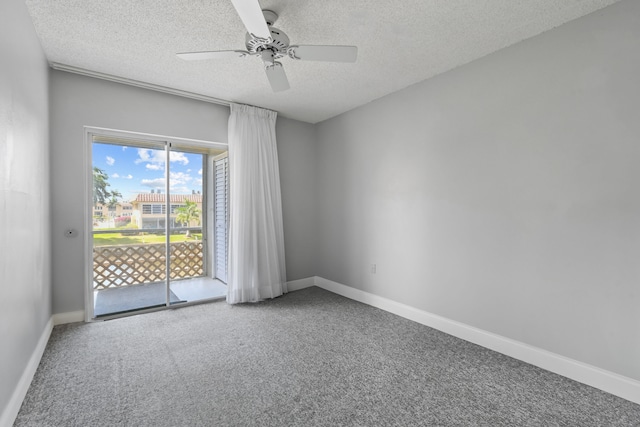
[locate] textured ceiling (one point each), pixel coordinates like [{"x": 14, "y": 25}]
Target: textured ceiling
[{"x": 398, "y": 46}]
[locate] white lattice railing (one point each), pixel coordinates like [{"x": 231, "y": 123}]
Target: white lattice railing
[{"x": 125, "y": 265}]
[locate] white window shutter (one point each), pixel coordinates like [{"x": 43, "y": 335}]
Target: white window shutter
[{"x": 221, "y": 216}]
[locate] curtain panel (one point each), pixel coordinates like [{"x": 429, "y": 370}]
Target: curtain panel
[{"x": 256, "y": 234}]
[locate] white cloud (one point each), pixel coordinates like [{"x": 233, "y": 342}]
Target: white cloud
[
  {"x": 178, "y": 157},
  {"x": 154, "y": 166},
  {"x": 179, "y": 182},
  {"x": 200, "y": 171},
  {"x": 158, "y": 156},
  {"x": 180, "y": 190},
  {"x": 110, "y": 160},
  {"x": 143, "y": 155},
  {"x": 124, "y": 148},
  {"x": 153, "y": 183},
  {"x": 117, "y": 175},
  {"x": 179, "y": 178}
]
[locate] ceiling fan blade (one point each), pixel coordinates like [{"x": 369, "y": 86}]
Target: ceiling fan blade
[
  {"x": 216, "y": 54},
  {"x": 324, "y": 53},
  {"x": 251, "y": 15},
  {"x": 277, "y": 77}
]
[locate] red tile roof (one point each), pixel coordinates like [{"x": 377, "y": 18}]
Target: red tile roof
[{"x": 160, "y": 198}]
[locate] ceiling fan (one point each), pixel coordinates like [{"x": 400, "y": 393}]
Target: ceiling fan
[{"x": 269, "y": 43}]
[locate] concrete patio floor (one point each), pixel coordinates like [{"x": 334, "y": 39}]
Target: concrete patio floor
[{"x": 137, "y": 297}]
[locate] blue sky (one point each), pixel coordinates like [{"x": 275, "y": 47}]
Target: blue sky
[{"x": 134, "y": 170}]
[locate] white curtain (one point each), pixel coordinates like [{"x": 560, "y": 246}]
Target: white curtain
[{"x": 256, "y": 237}]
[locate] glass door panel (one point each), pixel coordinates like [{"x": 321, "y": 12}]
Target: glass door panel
[
  {"x": 186, "y": 224},
  {"x": 193, "y": 240},
  {"x": 152, "y": 203},
  {"x": 129, "y": 240}
]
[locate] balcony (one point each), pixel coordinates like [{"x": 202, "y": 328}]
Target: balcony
[{"x": 129, "y": 276}]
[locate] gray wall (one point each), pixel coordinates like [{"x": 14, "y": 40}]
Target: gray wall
[
  {"x": 78, "y": 101},
  {"x": 503, "y": 194},
  {"x": 25, "y": 261},
  {"x": 296, "y": 158}
]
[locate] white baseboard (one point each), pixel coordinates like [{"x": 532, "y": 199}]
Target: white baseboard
[
  {"x": 69, "y": 317},
  {"x": 13, "y": 407},
  {"x": 610, "y": 382},
  {"x": 296, "y": 285}
]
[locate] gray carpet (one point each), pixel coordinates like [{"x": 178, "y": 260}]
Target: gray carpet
[{"x": 308, "y": 358}]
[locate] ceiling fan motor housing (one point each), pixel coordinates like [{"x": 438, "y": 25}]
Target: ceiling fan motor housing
[{"x": 278, "y": 44}]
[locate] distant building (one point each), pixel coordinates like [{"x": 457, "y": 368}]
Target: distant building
[
  {"x": 149, "y": 209},
  {"x": 104, "y": 211}
]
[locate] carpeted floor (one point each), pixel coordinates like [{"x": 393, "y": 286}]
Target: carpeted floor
[{"x": 308, "y": 358}]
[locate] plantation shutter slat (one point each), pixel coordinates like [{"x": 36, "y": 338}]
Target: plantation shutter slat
[{"x": 221, "y": 214}]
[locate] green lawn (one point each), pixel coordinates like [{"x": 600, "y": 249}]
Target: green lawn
[{"x": 108, "y": 239}]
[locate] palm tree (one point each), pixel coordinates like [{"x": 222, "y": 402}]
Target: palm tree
[
  {"x": 113, "y": 202},
  {"x": 187, "y": 214}
]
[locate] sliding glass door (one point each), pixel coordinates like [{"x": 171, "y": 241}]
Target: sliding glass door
[{"x": 151, "y": 245}]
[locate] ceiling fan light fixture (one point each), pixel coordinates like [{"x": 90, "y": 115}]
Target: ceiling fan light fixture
[{"x": 267, "y": 58}]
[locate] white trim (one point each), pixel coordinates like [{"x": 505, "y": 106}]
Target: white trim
[
  {"x": 296, "y": 285},
  {"x": 155, "y": 138},
  {"x": 144, "y": 85},
  {"x": 610, "y": 382},
  {"x": 160, "y": 140},
  {"x": 13, "y": 407},
  {"x": 68, "y": 317},
  {"x": 137, "y": 83},
  {"x": 88, "y": 224}
]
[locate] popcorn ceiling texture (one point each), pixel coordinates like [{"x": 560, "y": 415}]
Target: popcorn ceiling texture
[{"x": 398, "y": 46}]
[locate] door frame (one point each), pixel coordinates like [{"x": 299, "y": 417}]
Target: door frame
[{"x": 89, "y": 133}]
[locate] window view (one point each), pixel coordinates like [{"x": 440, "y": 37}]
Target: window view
[{"x": 131, "y": 225}]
